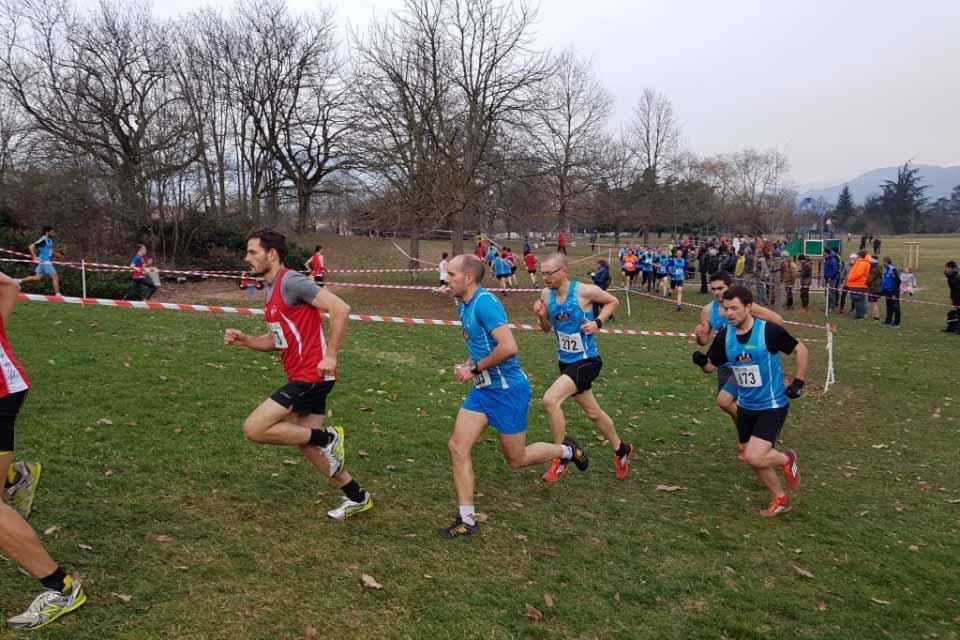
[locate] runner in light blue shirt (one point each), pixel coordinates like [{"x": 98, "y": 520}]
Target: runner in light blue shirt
[{"x": 500, "y": 393}]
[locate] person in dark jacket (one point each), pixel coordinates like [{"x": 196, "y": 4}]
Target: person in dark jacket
[
  {"x": 831, "y": 277},
  {"x": 601, "y": 278},
  {"x": 952, "y": 272},
  {"x": 874, "y": 284},
  {"x": 890, "y": 285},
  {"x": 876, "y": 246},
  {"x": 806, "y": 279}
]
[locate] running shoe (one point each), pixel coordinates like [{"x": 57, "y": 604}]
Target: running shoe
[
  {"x": 459, "y": 529},
  {"x": 791, "y": 471},
  {"x": 579, "y": 455},
  {"x": 622, "y": 463},
  {"x": 48, "y": 606},
  {"x": 350, "y": 508},
  {"x": 776, "y": 507},
  {"x": 555, "y": 471},
  {"x": 21, "y": 494},
  {"x": 335, "y": 452}
]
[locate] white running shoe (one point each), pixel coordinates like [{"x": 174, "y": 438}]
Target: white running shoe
[
  {"x": 335, "y": 452},
  {"x": 350, "y": 508}
]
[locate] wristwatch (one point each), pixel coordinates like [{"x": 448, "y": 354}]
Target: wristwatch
[
  {"x": 599, "y": 323},
  {"x": 474, "y": 370}
]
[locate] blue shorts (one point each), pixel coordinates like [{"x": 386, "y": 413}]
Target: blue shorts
[
  {"x": 45, "y": 270},
  {"x": 506, "y": 409},
  {"x": 726, "y": 381}
]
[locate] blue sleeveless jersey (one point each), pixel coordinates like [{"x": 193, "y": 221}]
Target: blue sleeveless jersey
[
  {"x": 567, "y": 320},
  {"x": 44, "y": 246},
  {"x": 479, "y": 317},
  {"x": 501, "y": 266},
  {"x": 717, "y": 321},
  {"x": 678, "y": 269},
  {"x": 757, "y": 371},
  {"x": 646, "y": 262},
  {"x": 663, "y": 266}
]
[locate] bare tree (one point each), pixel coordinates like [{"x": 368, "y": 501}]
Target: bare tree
[
  {"x": 98, "y": 85},
  {"x": 760, "y": 191},
  {"x": 288, "y": 78},
  {"x": 566, "y": 130},
  {"x": 403, "y": 97},
  {"x": 656, "y": 132}
]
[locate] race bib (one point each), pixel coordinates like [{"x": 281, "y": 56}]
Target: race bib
[
  {"x": 279, "y": 342},
  {"x": 748, "y": 377},
  {"x": 482, "y": 379},
  {"x": 570, "y": 342}
]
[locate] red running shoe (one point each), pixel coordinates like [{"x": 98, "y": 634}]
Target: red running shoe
[
  {"x": 791, "y": 471},
  {"x": 622, "y": 464},
  {"x": 776, "y": 507},
  {"x": 555, "y": 472}
]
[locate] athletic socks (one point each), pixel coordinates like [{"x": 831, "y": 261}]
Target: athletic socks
[
  {"x": 57, "y": 581},
  {"x": 567, "y": 452},
  {"x": 354, "y": 491},
  {"x": 623, "y": 450},
  {"x": 467, "y": 515},
  {"x": 320, "y": 437}
]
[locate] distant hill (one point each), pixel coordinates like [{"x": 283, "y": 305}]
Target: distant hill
[{"x": 942, "y": 180}]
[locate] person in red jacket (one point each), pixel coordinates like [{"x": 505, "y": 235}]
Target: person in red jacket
[
  {"x": 530, "y": 261},
  {"x": 562, "y": 243},
  {"x": 314, "y": 264},
  {"x": 294, "y": 415}
]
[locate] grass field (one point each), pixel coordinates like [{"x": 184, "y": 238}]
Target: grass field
[{"x": 188, "y": 531}]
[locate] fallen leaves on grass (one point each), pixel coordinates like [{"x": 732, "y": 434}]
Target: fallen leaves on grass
[
  {"x": 122, "y": 596},
  {"x": 879, "y": 601},
  {"x": 548, "y": 600},
  {"x": 291, "y": 462},
  {"x": 159, "y": 538},
  {"x": 806, "y": 573},
  {"x": 534, "y": 614},
  {"x": 821, "y": 606},
  {"x": 369, "y": 582},
  {"x": 482, "y": 517},
  {"x": 52, "y": 529},
  {"x": 85, "y": 547},
  {"x": 104, "y": 422},
  {"x": 669, "y": 488}
]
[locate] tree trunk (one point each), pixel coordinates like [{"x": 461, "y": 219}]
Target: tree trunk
[
  {"x": 304, "y": 195},
  {"x": 416, "y": 230}
]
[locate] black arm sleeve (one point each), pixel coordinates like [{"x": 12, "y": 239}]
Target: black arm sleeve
[
  {"x": 718, "y": 349},
  {"x": 779, "y": 340}
]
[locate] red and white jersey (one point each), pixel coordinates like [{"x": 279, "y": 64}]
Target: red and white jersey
[
  {"x": 298, "y": 334},
  {"x": 13, "y": 377},
  {"x": 316, "y": 264}
]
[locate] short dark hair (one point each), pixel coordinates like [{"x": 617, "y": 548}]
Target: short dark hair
[
  {"x": 270, "y": 239},
  {"x": 721, "y": 275},
  {"x": 473, "y": 264},
  {"x": 317, "y": 249},
  {"x": 47, "y": 228},
  {"x": 444, "y": 256},
  {"x": 862, "y": 253},
  {"x": 951, "y": 265},
  {"x": 740, "y": 293}
]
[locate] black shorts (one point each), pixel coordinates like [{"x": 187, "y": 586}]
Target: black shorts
[
  {"x": 9, "y": 409},
  {"x": 582, "y": 372},
  {"x": 513, "y": 270},
  {"x": 531, "y": 270},
  {"x": 676, "y": 283},
  {"x": 304, "y": 398},
  {"x": 765, "y": 424}
]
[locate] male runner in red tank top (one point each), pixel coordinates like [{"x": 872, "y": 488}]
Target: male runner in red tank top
[{"x": 294, "y": 414}]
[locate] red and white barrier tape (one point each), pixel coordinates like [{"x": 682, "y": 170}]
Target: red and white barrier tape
[{"x": 246, "y": 311}]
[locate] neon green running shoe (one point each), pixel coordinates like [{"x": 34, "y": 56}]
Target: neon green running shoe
[
  {"x": 350, "y": 508},
  {"x": 22, "y": 493},
  {"x": 48, "y": 606}
]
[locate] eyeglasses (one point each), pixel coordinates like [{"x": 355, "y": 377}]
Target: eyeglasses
[{"x": 550, "y": 274}]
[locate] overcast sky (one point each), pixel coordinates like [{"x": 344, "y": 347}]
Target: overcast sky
[{"x": 841, "y": 87}]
